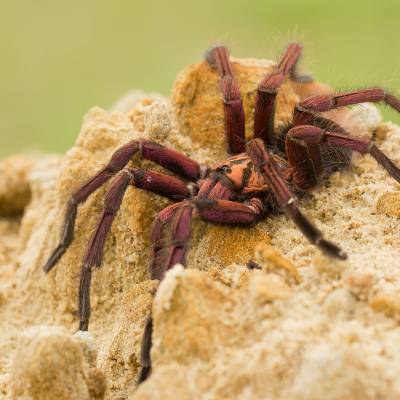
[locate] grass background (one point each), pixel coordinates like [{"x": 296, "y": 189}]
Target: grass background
[{"x": 59, "y": 58}]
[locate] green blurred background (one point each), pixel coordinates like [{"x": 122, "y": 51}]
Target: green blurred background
[{"x": 59, "y": 58}]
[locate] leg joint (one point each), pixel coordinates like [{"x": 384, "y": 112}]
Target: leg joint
[{"x": 202, "y": 204}]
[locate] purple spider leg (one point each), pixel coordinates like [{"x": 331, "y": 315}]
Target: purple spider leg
[
  {"x": 161, "y": 184},
  {"x": 170, "y": 237},
  {"x": 118, "y": 160},
  {"x": 145, "y": 359},
  {"x": 318, "y": 158},
  {"x": 307, "y": 158},
  {"x": 317, "y": 136},
  {"x": 306, "y": 161},
  {"x": 218, "y": 57},
  {"x": 305, "y": 112},
  {"x": 168, "y": 158},
  {"x": 94, "y": 253},
  {"x": 230, "y": 212},
  {"x": 267, "y": 92},
  {"x": 171, "y": 229},
  {"x": 286, "y": 200}
]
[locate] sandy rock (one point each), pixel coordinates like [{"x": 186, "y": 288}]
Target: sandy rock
[
  {"x": 269, "y": 287},
  {"x": 50, "y": 364},
  {"x": 388, "y": 303},
  {"x": 350, "y": 369},
  {"x": 271, "y": 259},
  {"x": 14, "y": 188},
  {"x": 222, "y": 331},
  {"x": 366, "y": 121},
  {"x": 187, "y": 330},
  {"x": 360, "y": 284},
  {"x": 223, "y": 343},
  {"x": 339, "y": 302},
  {"x": 382, "y": 131},
  {"x": 389, "y": 204},
  {"x": 219, "y": 244},
  {"x": 9, "y": 232}
]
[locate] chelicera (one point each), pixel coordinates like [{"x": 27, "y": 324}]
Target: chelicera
[{"x": 265, "y": 175}]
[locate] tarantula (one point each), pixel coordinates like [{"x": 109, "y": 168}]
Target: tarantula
[{"x": 264, "y": 175}]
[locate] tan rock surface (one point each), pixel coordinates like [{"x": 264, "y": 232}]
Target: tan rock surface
[
  {"x": 14, "y": 190},
  {"x": 389, "y": 204},
  {"x": 221, "y": 330},
  {"x": 50, "y": 364}
]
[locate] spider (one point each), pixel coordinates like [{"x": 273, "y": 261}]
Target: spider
[{"x": 263, "y": 176}]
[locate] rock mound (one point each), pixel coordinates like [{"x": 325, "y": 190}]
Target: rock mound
[{"x": 302, "y": 327}]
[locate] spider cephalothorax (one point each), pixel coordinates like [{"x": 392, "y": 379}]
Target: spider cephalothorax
[{"x": 265, "y": 175}]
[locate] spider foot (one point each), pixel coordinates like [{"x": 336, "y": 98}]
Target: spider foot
[
  {"x": 218, "y": 57},
  {"x": 145, "y": 359},
  {"x": 54, "y": 257},
  {"x": 143, "y": 374},
  {"x": 331, "y": 249},
  {"x": 83, "y": 326}
]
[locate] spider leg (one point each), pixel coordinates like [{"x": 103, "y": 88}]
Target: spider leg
[
  {"x": 118, "y": 160},
  {"x": 161, "y": 184},
  {"x": 218, "y": 58},
  {"x": 168, "y": 158},
  {"x": 145, "y": 359},
  {"x": 305, "y": 112},
  {"x": 307, "y": 158},
  {"x": 308, "y": 113},
  {"x": 170, "y": 237},
  {"x": 306, "y": 161},
  {"x": 268, "y": 90},
  {"x": 285, "y": 198},
  {"x": 317, "y": 136},
  {"x": 94, "y": 252},
  {"x": 230, "y": 212},
  {"x": 310, "y": 160}
]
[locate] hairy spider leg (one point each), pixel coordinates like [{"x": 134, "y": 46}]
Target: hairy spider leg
[
  {"x": 267, "y": 91},
  {"x": 230, "y": 212},
  {"x": 286, "y": 200},
  {"x": 170, "y": 239},
  {"x": 218, "y": 58},
  {"x": 94, "y": 252},
  {"x": 306, "y": 111},
  {"x": 147, "y": 342},
  {"x": 305, "y": 159},
  {"x": 317, "y": 136},
  {"x": 168, "y": 158},
  {"x": 164, "y": 185}
]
